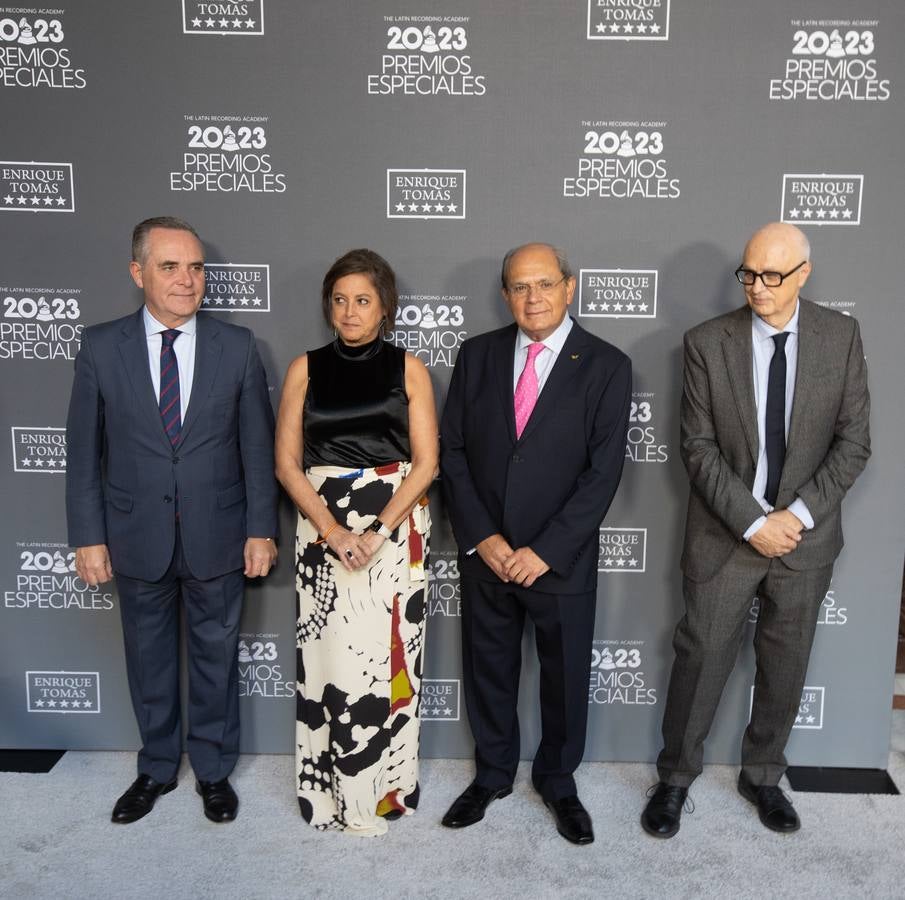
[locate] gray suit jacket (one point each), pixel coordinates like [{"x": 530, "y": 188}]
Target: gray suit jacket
[
  {"x": 827, "y": 447},
  {"x": 123, "y": 476}
]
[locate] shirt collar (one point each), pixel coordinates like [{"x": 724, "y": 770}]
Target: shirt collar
[
  {"x": 763, "y": 331},
  {"x": 552, "y": 342},
  {"x": 153, "y": 326}
]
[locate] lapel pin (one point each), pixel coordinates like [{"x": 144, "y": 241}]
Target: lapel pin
[{"x": 575, "y": 355}]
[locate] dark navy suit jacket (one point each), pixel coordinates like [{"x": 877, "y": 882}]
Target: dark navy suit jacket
[
  {"x": 123, "y": 476},
  {"x": 549, "y": 489}
]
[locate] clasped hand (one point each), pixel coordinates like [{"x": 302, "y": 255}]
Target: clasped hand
[
  {"x": 779, "y": 535},
  {"x": 523, "y": 566},
  {"x": 354, "y": 551}
]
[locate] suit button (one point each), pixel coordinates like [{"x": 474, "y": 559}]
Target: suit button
[
  {"x": 516, "y": 458},
  {"x": 167, "y": 498},
  {"x": 175, "y": 459}
]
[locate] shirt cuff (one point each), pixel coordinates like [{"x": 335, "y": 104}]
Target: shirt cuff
[
  {"x": 754, "y": 527},
  {"x": 798, "y": 508}
]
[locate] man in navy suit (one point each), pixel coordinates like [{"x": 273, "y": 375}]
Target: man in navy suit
[
  {"x": 532, "y": 448},
  {"x": 170, "y": 489}
]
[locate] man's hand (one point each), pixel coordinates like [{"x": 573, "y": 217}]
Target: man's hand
[
  {"x": 778, "y": 536},
  {"x": 260, "y": 555},
  {"x": 524, "y": 567},
  {"x": 93, "y": 564},
  {"x": 495, "y": 551}
]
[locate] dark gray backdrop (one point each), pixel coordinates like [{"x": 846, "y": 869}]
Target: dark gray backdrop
[{"x": 647, "y": 138}]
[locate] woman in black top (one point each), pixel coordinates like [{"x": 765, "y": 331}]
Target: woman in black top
[{"x": 356, "y": 450}]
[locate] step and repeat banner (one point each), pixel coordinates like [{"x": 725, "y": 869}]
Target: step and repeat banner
[{"x": 648, "y": 138}]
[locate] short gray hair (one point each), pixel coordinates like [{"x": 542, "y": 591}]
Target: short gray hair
[
  {"x": 565, "y": 269},
  {"x": 143, "y": 229}
]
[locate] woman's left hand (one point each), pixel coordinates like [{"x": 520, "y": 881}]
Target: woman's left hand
[{"x": 373, "y": 541}]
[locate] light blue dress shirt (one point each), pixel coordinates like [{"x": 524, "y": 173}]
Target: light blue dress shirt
[
  {"x": 183, "y": 347},
  {"x": 763, "y": 346}
]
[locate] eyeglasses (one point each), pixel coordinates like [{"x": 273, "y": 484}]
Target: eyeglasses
[
  {"x": 522, "y": 289},
  {"x": 769, "y": 279}
]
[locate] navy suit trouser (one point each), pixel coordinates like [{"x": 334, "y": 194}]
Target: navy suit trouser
[
  {"x": 493, "y": 618},
  {"x": 150, "y": 616}
]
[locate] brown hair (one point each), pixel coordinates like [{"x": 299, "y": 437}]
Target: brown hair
[{"x": 363, "y": 262}]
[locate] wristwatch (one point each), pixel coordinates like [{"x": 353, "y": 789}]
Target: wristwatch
[{"x": 379, "y": 528}]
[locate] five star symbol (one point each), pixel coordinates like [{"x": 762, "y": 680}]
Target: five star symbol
[
  {"x": 627, "y": 28},
  {"x": 796, "y": 213}
]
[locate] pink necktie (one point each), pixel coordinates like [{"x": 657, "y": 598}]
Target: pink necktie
[{"x": 526, "y": 389}]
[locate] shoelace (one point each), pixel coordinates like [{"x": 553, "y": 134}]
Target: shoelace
[{"x": 688, "y": 804}]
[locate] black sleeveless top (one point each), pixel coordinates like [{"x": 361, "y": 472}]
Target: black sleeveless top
[{"x": 356, "y": 408}]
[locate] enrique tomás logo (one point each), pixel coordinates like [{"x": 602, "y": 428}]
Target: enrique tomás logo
[
  {"x": 41, "y": 449},
  {"x": 231, "y": 17},
  {"x": 236, "y": 287},
  {"x": 440, "y": 699},
  {"x": 622, "y": 550},
  {"x": 628, "y": 20},
  {"x": 618, "y": 293},
  {"x": 425, "y": 193},
  {"x": 36, "y": 187},
  {"x": 822, "y": 199},
  {"x": 63, "y": 692},
  {"x": 810, "y": 709}
]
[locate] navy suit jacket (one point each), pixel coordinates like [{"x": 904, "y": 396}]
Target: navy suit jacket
[
  {"x": 123, "y": 476},
  {"x": 549, "y": 489}
]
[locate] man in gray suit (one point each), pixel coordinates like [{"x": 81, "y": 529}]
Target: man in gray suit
[
  {"x": 170, "y": 488},
  {"x": 774, "y": 424}
]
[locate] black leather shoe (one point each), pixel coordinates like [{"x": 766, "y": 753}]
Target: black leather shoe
[
  {"x": 220, "y": 800},
  {"x": 773, "y": 807},
  {"x": 139, "y": 799},
  {"x": 664, "y": 809},
  {"x": 470, "y": 805},
  {"x": 572, "y": 819}
]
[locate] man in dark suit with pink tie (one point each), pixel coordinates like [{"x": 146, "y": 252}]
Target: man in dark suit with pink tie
[{"x": 532, "y": 449}]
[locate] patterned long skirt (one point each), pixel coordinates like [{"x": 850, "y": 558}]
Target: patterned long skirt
[{"x": 359, "y": 659}]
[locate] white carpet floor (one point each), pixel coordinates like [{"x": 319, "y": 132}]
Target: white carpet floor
[{"x": 56, "y": 841}]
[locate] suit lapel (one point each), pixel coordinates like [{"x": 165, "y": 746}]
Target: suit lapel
[
  {"x": 207, "y": 359},
  {"x": 134, "y": 352},
  {"x": 567, "y": 364},
  {"x": 503, "y": 361},
  {"x": 738, "y": 357},
  {"x": 809, "y": 356}
]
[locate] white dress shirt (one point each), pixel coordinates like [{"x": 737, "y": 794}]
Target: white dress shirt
[
  {"x": 183, "y": 347},
  {"x": 763, "y": 347},
  {"x": 543, "y": 362}
]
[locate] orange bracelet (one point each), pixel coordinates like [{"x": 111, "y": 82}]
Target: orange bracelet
[{"x": 327, "y": 533}]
